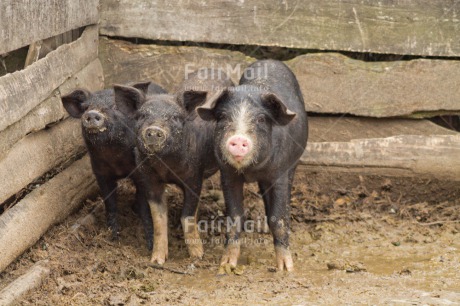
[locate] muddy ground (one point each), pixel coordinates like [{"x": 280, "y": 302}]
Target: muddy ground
[{"x": 355, "y": 240}]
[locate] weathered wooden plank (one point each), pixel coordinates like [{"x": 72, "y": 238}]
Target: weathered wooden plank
[
  {"x": 123, "y": 62},
  {"x": 435, "y": 156},
  {"x": 344, "y": 129},
  {"x": 91, "y": 77},
  {"x": 38, "y": 153},
  {"x": 23, "y": 90},
  {"x": 23, "y": 22},
  {"x": 334, "y": 83},
  {"x": 51, "y": 110},
  {"x": 52, "y": 43},
  {"x": 418, "y": 27},
  {"x": 41, "y": 48},
  {"x": 330, "y": 83},
  {"x": 24, "y": 283},
  {"x": 390, "y": 146},
  {"x": 23, "y": 224}
]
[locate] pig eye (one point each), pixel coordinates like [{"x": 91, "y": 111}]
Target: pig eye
[{"x": 261, "y": 119}]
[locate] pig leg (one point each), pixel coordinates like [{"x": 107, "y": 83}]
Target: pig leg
[
  {"x": 143, "y": 210},
  {"x": 159, "y": 212},
  {"x": 264, "y": 189},
  {"x": 232, "y": 186},
  {"x": 108, "y": 187},
  {"x": 279, "y": 218},
  {"x": 291, "y": 174},
  {"x": 189, "y": 217},
  {"x": 136, "y": 207}
]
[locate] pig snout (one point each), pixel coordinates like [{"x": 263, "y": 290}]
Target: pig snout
[
  {"x": 239, "y": 146},
  {"x": 93, "y": 120},
  {"x": 154, "y": 137}
]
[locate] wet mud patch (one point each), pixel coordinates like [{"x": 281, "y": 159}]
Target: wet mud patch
[{"x": 355, "y": 239}]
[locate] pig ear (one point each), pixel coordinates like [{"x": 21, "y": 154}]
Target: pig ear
[
  {"x": 192, "y": 99},
  {"x": 281, "y": 114},
  {"x": 206, "y": 111},
  {"x": 128, "y": 99},
  {"x": 73, "y": 102},
  {"x": 142, "y": 86}
]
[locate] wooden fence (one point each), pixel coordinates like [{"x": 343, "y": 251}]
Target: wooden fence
[
  {"x": 416, "y": 27},
  {"x": 35, "y": 136}
]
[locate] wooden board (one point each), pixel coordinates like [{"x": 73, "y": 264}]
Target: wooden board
[
  {"x": 41, "y": 48},
  {"x": 23, "y": 22},
  {"x": 382, "y": 146},
  {"x": 330, "y": 82},
  {"x": 24, "y": 283},
  {"x": 23, "y": 90},
  {"x": 51, "y": 110},
  {"x": 123, "y": 62},
  {"x": 334, "y": 83},
  {"x": 23, "y": 224},
  {"x": 344, "y": 129},
  {"x": 422, "y": 27},
  {"x": 38, "y": 153},
  {"x": 91, "y": 77}
]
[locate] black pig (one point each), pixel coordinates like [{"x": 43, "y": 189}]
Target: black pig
[
  {"x": 110, "y": 140},
  {"x": 174, "y": 147},
  {"x": 261, "y": 132}
]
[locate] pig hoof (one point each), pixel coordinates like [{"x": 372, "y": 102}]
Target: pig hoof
[
  {"x": 284, "y": 259},
  {"x": 158, "y": 259},
  {"x": 195, "y": 246},
  {"x": 196, "y": 250},
  {"x": 232, "y": 252},
  {"x": 192, "y": 237},
  {"x": 227, "y": 260}
]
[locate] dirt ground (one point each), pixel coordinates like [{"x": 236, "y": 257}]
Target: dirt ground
[{"x": 355, "y": 240}]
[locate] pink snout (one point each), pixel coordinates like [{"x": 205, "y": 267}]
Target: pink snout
[{"x": 239, "y": 146}]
